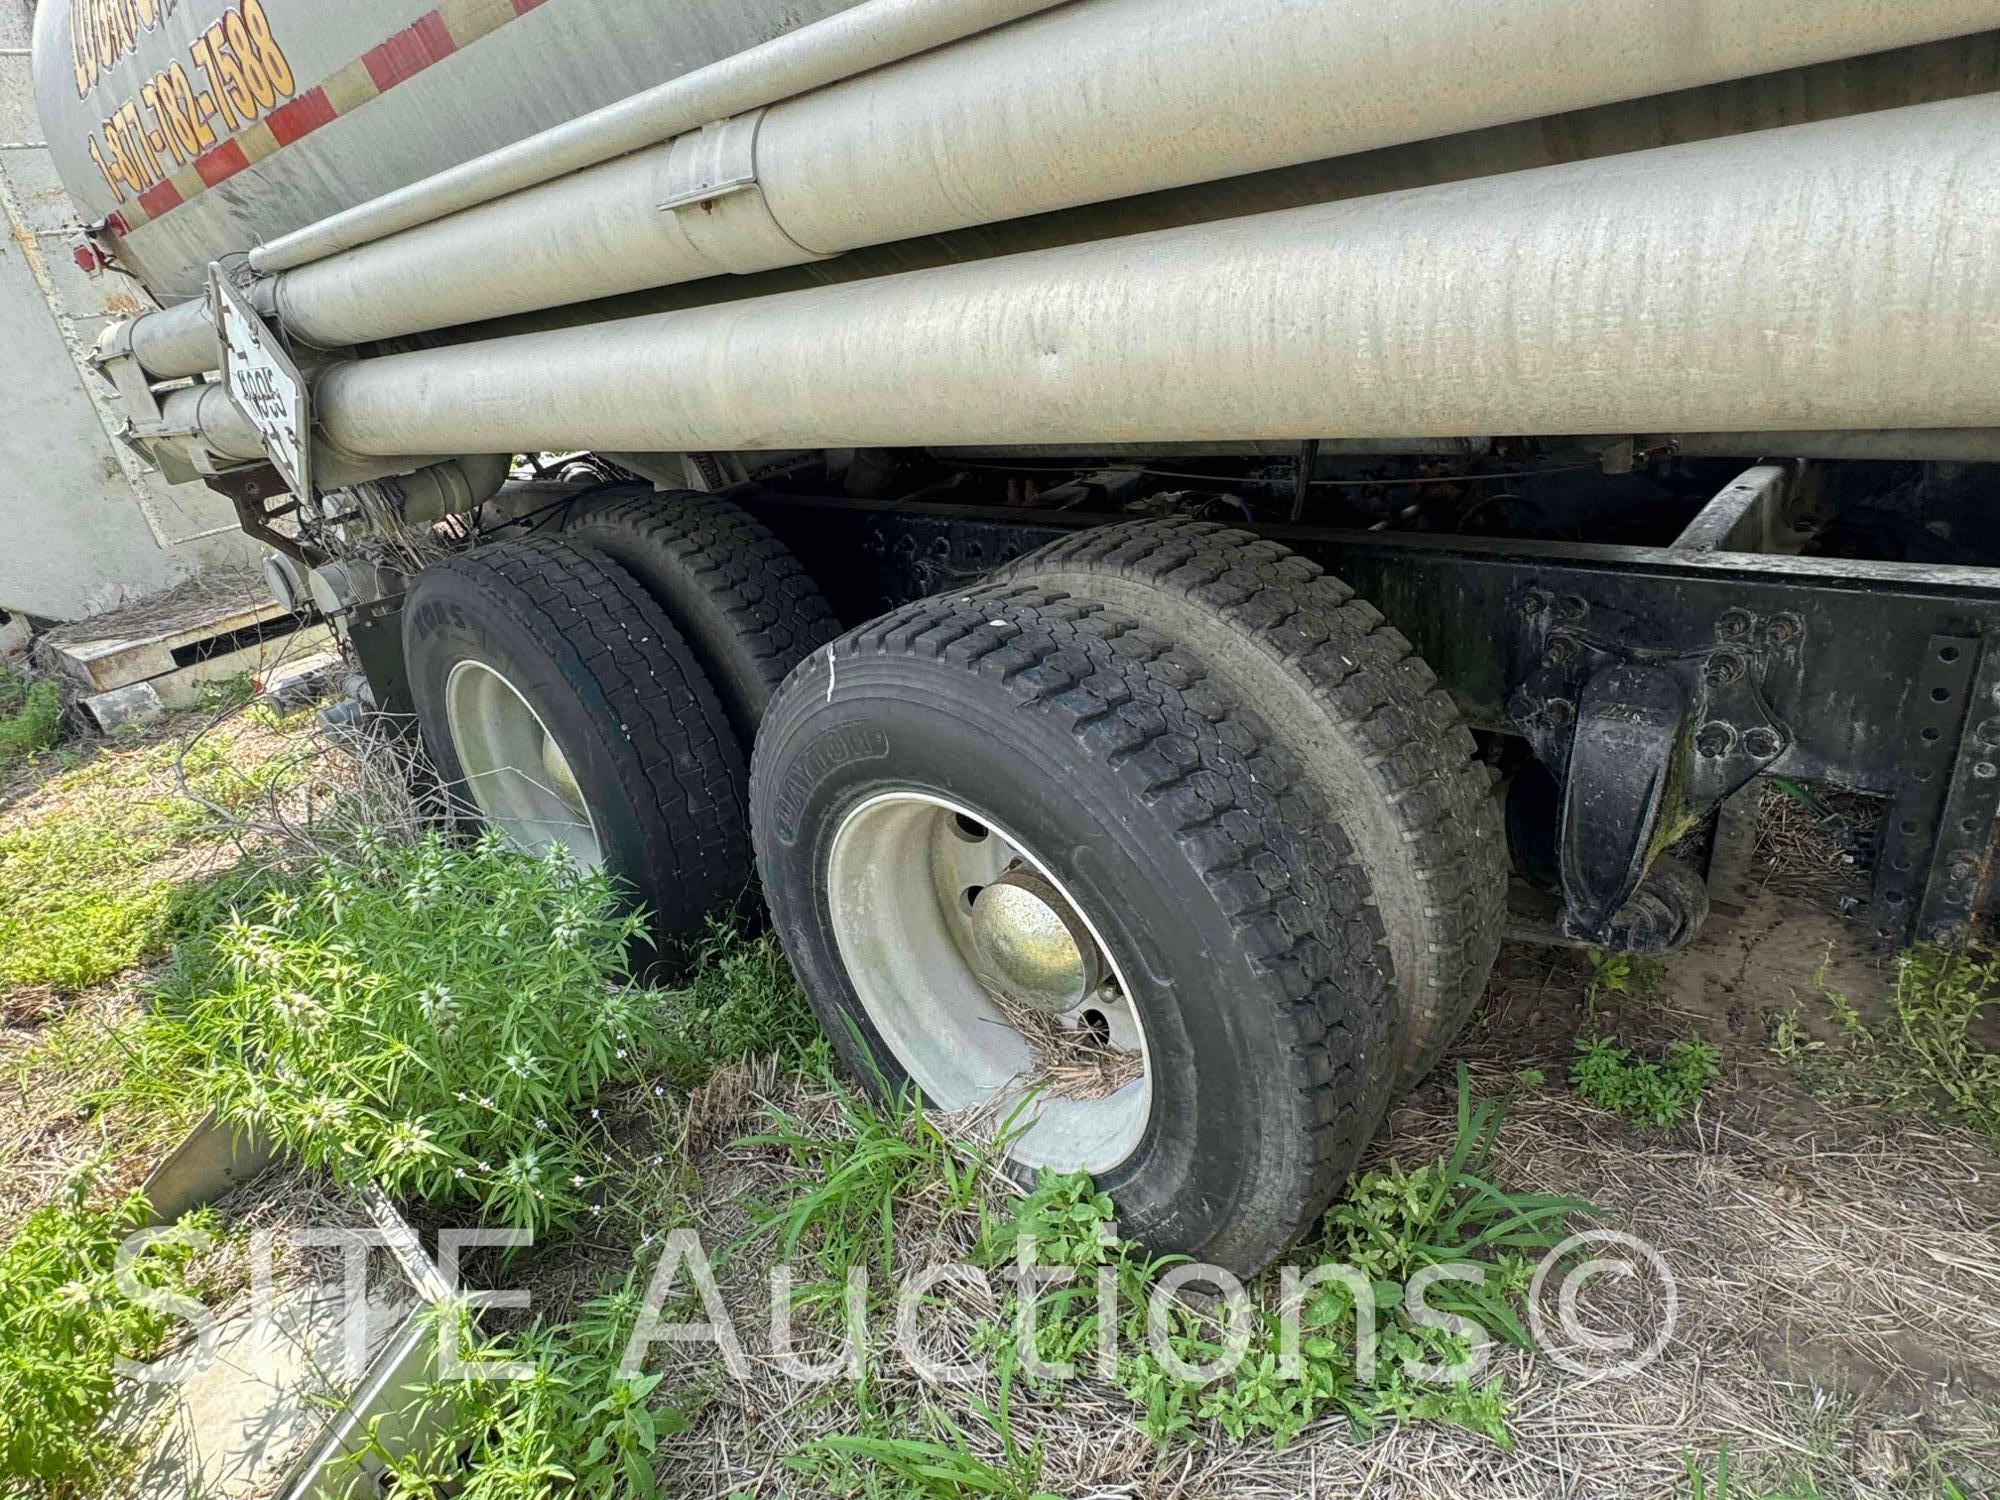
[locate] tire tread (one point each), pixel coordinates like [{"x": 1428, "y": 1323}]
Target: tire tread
[{"x": 1381, "y": 697}]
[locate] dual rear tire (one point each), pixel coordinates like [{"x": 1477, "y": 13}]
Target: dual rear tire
[
  {"x": 1163, "y": 853},
  {"x": 596, "y": 691}
]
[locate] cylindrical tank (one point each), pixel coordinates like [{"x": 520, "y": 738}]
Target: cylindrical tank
[
  {"x": 199, "y": 129},
  {"x": 196, "y": 129}
]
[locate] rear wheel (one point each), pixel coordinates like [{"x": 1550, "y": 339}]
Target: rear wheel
[
  {"x": 746, "y": 608},
  {"x": 1380, "y": 740},
  {"x": 560, "y": 705},
  {"x": 1032, "y": 857}
]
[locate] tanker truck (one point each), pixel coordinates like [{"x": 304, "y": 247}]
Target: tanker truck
[{"x": 1152, "y": 530}]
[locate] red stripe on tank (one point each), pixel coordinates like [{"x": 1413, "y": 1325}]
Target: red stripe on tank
[
  {"x": 221, "y": 164},
  {"x": 301, "y": 117},
  {"x": 425, "y": 42},
  {"x": 158, "y": 198},
  {"x": 409, "y": 51}
]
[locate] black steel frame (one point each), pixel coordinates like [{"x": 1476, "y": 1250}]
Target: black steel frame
[{"x": 1877, "y": 676}]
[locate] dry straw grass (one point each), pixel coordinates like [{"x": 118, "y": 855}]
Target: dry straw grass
[
  {"x": 1069, "y": 1062},
  {"x": 1839, "y": 1320}
]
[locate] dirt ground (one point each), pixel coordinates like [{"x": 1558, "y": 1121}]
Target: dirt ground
[
  {"x": 1837, "y": 1275},
  {"x": 1837, "y": 1271}
]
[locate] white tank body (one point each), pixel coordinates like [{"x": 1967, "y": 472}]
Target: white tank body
[{"x": 196, "y": 129}]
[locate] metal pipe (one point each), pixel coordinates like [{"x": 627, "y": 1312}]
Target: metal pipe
[
  {"x": 1091, "y": 101},
  {"x": 1836, "y": 275},
  {"x": 1427, "y": 447},
  {"x": 209, "y": 431},
  {"x": 852, "y": 41},
  {"x": 209, "y": 420},
  {"x": 1936, "y": 444},
  {"x": 176, "y": 341}
]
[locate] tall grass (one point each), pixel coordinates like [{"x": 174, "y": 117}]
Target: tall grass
[
  {"x": 31, "y": 715},
  {"x": 1934, "y": 1049},
  {"x": 64, "y": 1320},
  {"x": 435, "y": 1019}
]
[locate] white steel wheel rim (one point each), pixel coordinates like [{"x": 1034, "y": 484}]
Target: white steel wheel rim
[
  {"x": 898, "y": 871},
  {"x": 516, "y": 773}
]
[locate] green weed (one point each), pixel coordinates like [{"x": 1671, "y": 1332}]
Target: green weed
[
  {"x": 31, "y": 714},
  {"x": 1929, "y": 1053},
  {"x": 940, "y": 1464},
  {"x": 1721, "y": 1487},
  {"x": 104, "y": 877},
  {"x": 569, "y": 1424},
  {"x": 1635, "y": 974},
  {"x": 64, "y": 1320},
  {"x": 740, "y": 1000},
  {"x": 232, "y": 691},
  {"x": 853, "y": 1181},
  {"x": 1393, "y": 1225},
  {"x": 1824, "y": 1471},
  {"x": 435, "y": 1019},
  {"x": 1647, "y": 1091}
]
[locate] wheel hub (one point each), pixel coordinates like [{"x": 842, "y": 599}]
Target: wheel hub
[
  {"x": 1030, "y": 946},
  {"x": 978, "y": 968}
]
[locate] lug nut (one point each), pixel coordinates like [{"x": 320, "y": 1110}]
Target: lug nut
[
  {"x": 1561, "y": 652},
  {"x": 1557, "y": 713},
  {"x": 1723, "y": 667},
  {"x": 1763, "y": 743},
  {"x": 1535, "y": 602},
  {"x": 1572, "y": 607}
]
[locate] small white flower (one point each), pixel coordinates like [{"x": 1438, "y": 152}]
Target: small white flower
[
  {"x": 576, "y": 1180},
  {"x": 439, "y": 1008}
]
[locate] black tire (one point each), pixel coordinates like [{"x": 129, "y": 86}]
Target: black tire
[
  {"x": 737, "y": 596},
  {"x": 1383, "y": 743},
  {"x": 622, "y": 696},
  {"x": 1181, "y": 828}
]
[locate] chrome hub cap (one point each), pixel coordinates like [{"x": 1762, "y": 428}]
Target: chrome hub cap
[
  {"x": 515, "y": 772},
  {"x": 1029, "y": 944},
  {"x": 987, "y": 980}
]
